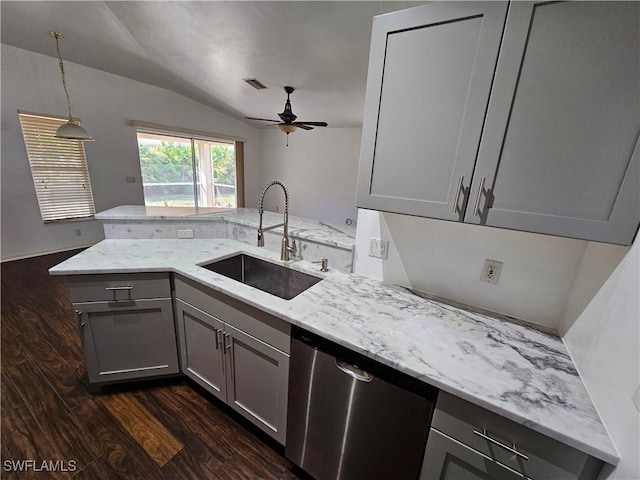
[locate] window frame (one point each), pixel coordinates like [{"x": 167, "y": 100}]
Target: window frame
[
  {"x": 60, "y": 200},
  {"x": 193, "y": 136}
]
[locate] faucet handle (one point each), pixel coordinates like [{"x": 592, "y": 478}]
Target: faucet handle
[{"x": 260, "y": 238}]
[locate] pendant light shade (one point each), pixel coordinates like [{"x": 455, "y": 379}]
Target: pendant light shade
[{"x": 72, "y": 129}]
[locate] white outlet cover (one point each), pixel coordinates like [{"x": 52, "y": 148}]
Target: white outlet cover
[
  {"x": 185, "y": 233},
  {"x": 491, "y": 271},
  {"x": 378, "y": 248}
]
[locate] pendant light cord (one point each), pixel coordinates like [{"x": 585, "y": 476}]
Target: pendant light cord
[{"x": 64, "y": 83}]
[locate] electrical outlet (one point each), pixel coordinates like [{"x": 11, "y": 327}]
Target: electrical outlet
[
  {"x": 491, "y": 271},
  {"x": 78, "y": 232},
  {"x": 185, "y": 233},
  {"x": 130, "y": 179},
  {"x": 378, "y": 248}
]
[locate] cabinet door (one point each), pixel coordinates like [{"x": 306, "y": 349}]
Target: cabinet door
[
  {"x": 128, "y": 340},
  {"x": 430, "y": 72},
  {"x": 448, "y": 459},
  {"x": 257, "y": 381},
  {"x": 559, "y": 152},
  {"x": 201, "y": 352}
]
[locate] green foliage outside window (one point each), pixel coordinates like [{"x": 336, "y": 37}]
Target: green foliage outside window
[
  {"x": 164, "y": 163},
  {"x": 224, "y": 165}
]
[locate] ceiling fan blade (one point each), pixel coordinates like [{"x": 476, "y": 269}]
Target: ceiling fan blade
[
  {"x": 302, "y": 126},
  {"x": 263, "y": 119},
  {"x": 315, "y": 124}
]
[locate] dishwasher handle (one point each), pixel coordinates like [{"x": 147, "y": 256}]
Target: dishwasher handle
[{"x": 354, "y": 371}]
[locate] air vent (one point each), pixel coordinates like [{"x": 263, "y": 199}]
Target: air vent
[{"x": 255, "y": 83}]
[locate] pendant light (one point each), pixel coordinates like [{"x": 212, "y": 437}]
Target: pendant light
[{"x": 72, "y": 129}]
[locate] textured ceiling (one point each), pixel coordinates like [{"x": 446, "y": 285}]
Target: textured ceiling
[{"x": 203, "y": 50}]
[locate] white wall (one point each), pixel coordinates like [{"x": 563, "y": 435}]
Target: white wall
[
  {"x": 105, "y": 103},
  {"x": 604, "y": 343},
  {"x": 446, "y": 259},
  {"x": 319, "y": 168}
]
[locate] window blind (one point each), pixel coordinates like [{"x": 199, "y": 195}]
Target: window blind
[{"x": 59, "y": 169}]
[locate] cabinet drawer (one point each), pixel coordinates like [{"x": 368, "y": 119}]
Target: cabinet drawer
[
  {"x": 257, "y": 323},
  {"x": 539, "y": 457},
  {"x": 448, "y": 459},
  {"x": 119, "y": 288}
]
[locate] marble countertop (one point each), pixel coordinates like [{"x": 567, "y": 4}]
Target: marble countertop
[
  {"x": 341, "y": 236},
  {"x": 519, "y": 372}
]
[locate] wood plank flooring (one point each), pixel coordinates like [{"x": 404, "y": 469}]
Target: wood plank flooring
[{"x": 50, "y": 415}]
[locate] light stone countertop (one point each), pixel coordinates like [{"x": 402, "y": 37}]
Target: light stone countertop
[
  {"x": 341, "y": 236},
  {"x": 512, "y": 369}
]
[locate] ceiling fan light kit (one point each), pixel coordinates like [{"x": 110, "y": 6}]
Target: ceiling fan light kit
[
  {"x": 288, "y": 123},
  {"x": 287, "y": 128},
  {"x": 72, "y": 129}
]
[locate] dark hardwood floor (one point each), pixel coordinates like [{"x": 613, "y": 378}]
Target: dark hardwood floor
[{"x": 49, "y": 414}]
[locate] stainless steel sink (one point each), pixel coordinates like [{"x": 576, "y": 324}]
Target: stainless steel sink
[{"x": 275, "y": 279}]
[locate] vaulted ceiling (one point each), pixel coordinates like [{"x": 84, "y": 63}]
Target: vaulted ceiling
[{"x": 205, "y": 49}]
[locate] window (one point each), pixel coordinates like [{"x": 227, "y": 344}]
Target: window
[
  {"x": 188, "y": 171},
  {"x": 59, "y": 169}
]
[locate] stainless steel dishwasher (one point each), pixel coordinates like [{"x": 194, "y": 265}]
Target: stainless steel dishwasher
[{"x": 351, "y": 418}]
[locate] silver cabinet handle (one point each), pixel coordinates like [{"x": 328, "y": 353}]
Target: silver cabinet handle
[
  {"x": 354, "y": 371},
  {"x": 458, "y": 191},
  {"x": 114, "y": 290},
  {"x": 217, "y": 342},
  {"x": 476, "y": 209},
  {"x": 219, "y": 339},
  {"x": 513, "y": 450},
  {"x": 79, "y": 317},
  {"x": 225, "y": 342}
]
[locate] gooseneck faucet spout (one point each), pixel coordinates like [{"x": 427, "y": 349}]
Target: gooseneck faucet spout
[{"x": 287, "y": 249}]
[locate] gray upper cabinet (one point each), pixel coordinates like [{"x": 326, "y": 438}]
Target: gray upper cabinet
[
  {"x": 559, "y": 152},
  {"x": 556, "y": 150},
  {"x": 430, "y": 73}
]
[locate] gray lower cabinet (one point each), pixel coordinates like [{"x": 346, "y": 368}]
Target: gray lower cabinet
[
  {"x": 467, "y": 442},
  {"x": 530, "y": 124},
  {"x": 126, "y": 325},
  {"x": 237, "y": 353},
  {"x": 201, "y": 350}
]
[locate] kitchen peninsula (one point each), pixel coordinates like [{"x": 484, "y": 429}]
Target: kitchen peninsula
[{"x": 511, "y": 369}]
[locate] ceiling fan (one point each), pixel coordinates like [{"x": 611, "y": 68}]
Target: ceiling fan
[{"x": 287, "y": 123}]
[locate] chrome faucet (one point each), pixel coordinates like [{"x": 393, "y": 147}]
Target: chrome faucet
[{"x": 287, "y": 249}]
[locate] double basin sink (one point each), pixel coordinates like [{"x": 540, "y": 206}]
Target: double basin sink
[{"x": 269, "y": 277}]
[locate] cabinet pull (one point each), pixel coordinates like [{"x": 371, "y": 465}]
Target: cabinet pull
[
  {"x": 476, "y": 209},
  {"x": 79, "y": 317},
  {"x": 114, "y": 290},
  {"x": 225, "y": 342},
  {"x": 217, "y": 338},
  {"x": 458, "y": 190},
  {"x": 513, "y": 449}
]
